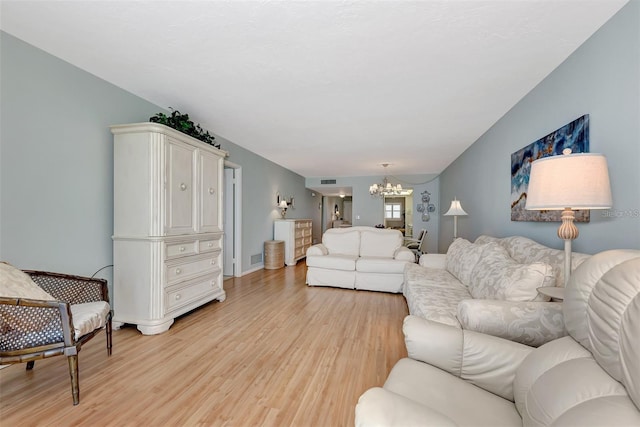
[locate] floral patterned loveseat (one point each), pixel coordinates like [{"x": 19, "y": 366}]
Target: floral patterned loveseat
[{"x": 490, "y": 286}]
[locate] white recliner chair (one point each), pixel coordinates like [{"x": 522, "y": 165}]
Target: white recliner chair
[{"x": 456, "y": 377}]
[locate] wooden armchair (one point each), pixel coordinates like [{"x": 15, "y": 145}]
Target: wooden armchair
[{"x": 32, "y": 329}]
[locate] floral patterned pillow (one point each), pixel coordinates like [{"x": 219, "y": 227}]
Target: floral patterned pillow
[
  {"x": 498, "y": 276},
  {"x": 462, "y": 257}
]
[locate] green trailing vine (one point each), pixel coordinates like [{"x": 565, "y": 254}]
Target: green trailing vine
[{"x": 182, "y": 123}]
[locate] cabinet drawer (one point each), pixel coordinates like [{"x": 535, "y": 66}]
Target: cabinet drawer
[
  {"x": 209, "y": 245},
  {"x": 181, "y": 249},
  {"x": 180, "y": 296},
  {"x": 190, "y": 267}
]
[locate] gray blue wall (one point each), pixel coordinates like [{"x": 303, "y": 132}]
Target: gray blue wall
[
  {"x": 602, "y": 79},
  {"x": 56, "y": 166}
]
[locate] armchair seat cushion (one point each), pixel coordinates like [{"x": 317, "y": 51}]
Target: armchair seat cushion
[
  {"x": 454, "y": 401},
  {"x": 89, "y": 316},
  {"x": 380, "y": 265},
  {"x": 333, "y": 261}
]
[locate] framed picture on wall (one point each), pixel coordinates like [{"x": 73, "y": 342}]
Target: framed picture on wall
[{"x": 574, "y": 135}]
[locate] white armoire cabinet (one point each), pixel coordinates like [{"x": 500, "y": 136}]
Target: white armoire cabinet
[
  {"x": 167, "y": 225},
  {"x": 297, "y": 236}
]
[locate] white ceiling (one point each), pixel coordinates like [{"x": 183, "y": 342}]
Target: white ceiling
[{"x": 324, "y": 88}]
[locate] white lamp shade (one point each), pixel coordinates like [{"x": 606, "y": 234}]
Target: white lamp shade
[
  {"x": 455, "y": 209},
  {"x": 283, "y": 204},
  {"x": 576, "y": 181}
]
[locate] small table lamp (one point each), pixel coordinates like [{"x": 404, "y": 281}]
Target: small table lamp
[
  {"x": 568, "y": 182},
  {"x": 456, "y": 210}
]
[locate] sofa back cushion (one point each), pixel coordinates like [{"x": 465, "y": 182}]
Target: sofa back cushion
[
  {"x": 462, "y": 257},
  {"x": 526, "y": 251},
  {"x": 380, "y": 243},
  {"x": 498, "y": 276},
  {"x": 602, "y": 313},
  {"x": 342, "y": 242}
]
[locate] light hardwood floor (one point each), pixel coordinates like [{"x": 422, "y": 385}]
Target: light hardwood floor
[{"x": 275, "y": 353}]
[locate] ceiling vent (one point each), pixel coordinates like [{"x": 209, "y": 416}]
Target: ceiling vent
[{"x": 327, "y": 181}]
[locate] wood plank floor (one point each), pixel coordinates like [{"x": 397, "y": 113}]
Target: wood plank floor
[{"x": 275, "y": 353}]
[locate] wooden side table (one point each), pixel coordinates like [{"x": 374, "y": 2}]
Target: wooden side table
[{"x": 273, "y": 254}]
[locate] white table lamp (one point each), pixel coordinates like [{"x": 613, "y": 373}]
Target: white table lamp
[
  {"x": 455, "y": 210},
  {"x": 566, "y": 183}
]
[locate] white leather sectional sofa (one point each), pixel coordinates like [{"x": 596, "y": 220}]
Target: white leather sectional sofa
[
  {"x": 491, "y": 286},
  {"x": 359, "y": 257},
  {"x": 457, "y": 377}
]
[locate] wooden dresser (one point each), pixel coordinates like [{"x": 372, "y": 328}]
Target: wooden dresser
[
  {"x": 167, "y": 240},
  {"x": 297, "y": 236}
]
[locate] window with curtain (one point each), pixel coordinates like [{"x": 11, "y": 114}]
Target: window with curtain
[{"x": 392, "y": 210}]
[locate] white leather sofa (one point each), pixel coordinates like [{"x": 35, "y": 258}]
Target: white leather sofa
[
  {"x": 491, "y": 286},
  {"x": 359, "y": 257},
  {"x": 455, "y": 377}
]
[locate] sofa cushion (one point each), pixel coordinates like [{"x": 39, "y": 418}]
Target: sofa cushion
[
  {"x": 15, "y": 283},
  {"x": 462, "y": 257},
  {"x": 433, "y": 294},
  {"x": 465, "y": 403},
  {"x": 347, "y": 243},
  {"x": 380, "y": 243},
  {"x": 525, "y": 250},
  {"x": 380, "y": 265},
  {"x": 498, "y": 276},
  {"x": 334, "y": 262}
]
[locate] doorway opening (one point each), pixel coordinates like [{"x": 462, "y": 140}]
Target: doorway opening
[
  {"x": 232, "y": 220},
  {"x": 398, "y": 213}
]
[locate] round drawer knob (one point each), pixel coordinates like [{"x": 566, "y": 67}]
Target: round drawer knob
[
  {"x": 211, "y": 190},
  {"x": 178, "y": 296},
  {"x": 183, "y": 186},
  {"x": 182, "y": 248},
  {"x": 213, "y": 262},
  {"x": 178, "y": 271},
  {"x": 210, "y": 244}
]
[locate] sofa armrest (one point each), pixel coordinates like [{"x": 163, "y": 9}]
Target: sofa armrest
[
  {"x": 532, "y": 323},
  {"x": 488, "y": 362},
  {"x": 404, "y": 254},
  {"x": 317, "y": 249},
  {"x": 433, "y": 260}
]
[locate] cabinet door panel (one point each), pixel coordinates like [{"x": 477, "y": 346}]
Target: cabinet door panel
[
  {"x": 180, "y": 190},
  {"x": 209, "y": 192}
]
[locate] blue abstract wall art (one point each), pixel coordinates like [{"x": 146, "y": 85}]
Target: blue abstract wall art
[{"x": 575, "y": 136}]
